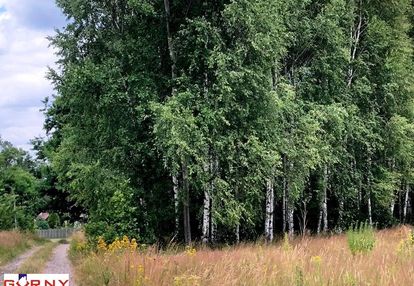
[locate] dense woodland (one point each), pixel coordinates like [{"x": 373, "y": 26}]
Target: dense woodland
[{"x": 229, "y": 120}]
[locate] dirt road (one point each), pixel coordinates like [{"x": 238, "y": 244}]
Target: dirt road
[
  {"x": 59, "y": 263},
  {"x": 12, "y": 266}
]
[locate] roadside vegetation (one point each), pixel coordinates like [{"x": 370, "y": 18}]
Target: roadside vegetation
[
  {"x": 37, "y": 262},
  {"x": 301, "y": 261},
  {"x": 13, "y": 243}
]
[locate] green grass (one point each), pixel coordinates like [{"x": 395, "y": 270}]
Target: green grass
[
  {"x": 361, "y": 239},
  {"x": 36, "y": 262}
]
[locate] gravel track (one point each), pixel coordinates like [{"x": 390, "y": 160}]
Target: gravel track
[
  {"x": 59, "y": 263},
  {"x": 12, "y": 266}
]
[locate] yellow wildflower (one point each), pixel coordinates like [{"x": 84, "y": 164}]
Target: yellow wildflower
[
  {"x": 316, "y": 259},
  {"x": 190, "y": 251},
  {"x": 102, "y": 244}
]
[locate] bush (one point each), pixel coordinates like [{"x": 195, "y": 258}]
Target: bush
[
  {"x": 78, "y": 245},
  {"x": 54, "y": 220},
  {"x": 361, "y": 239},
  {"x": 41, "y": 224}
]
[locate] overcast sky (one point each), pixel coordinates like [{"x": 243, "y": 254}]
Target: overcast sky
[{"x": 24, "y": 57}]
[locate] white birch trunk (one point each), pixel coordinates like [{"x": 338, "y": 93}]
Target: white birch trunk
[
  {"x": 284, "y": 217},
  {"x": 284, "y": 213},
  {"x": 323, "y": 207},
  {"x": 407, "y": 196},
  {"x": 176, "y": 214},
  {"x": 341, "y": 214},
  {"x": 269, "y": 211},
  {"x": 369, "y": 208},
  {"x": 213, "y": 226},
  {"x": 369, "y": 191},
  {"x": 325, "y": 200},
  {"x": 237, "y": 233},
  {"x": 290, "y": 205},
  {"x": 356, "y": 33},
  {"x": 318, "y": 231},
  {"x": 400, "y": 205},
  {"x": 186, "y": 204},
  {"x": 206, "y": 217},
  {"x": 392, "y": 206},
  {"x": 291, "y": 225},
  {"x": 170, "y": 40}
]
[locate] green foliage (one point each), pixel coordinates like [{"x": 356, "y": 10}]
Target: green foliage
[
  {"x": 54, "y": 220},
  {"x": 19, "y": 198},
  {"x": 41, "y": 224},
  {"x": 361, "y": 238},
  {"x": 316, "y": 96}
]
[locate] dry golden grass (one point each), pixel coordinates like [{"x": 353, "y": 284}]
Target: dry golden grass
[
  {"x": 12, "y": 243},
  {"x": 309, "y": 261},
  {"x": 36, "y": 262}
]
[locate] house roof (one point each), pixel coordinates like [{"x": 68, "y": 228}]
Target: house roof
[{"x": 43, "y": 216}]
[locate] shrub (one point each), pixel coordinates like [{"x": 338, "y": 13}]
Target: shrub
[
  {"x": 78, "y": 245},
  {"x": 54, "y": 220},
  {"x": 41, "y": 224},
  {"x": 361, "y": 239}
]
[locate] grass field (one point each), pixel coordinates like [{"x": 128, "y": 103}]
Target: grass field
[
  {"x": 13, "y": 243},
  {"x": 308, "y": 261}
]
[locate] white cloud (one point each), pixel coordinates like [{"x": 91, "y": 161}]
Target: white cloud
[{"x": 24, "y": 57}]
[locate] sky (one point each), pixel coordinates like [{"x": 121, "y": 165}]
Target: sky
[{"x": 24, "y": 57}]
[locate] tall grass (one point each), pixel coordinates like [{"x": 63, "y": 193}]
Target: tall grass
[
  {"x": 36, "y": 262},
  {"x": 308, "y": 261},
  {"x": 361, "y": 238},
  {"x": 13, "y": 243}
]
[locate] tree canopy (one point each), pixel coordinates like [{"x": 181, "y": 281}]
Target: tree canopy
[{"x": 228, "y": 120}]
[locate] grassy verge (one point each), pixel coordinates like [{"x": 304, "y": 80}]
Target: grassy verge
[
  {"x": 310, "y": 261},
  {"x": 36, "y": 262},
  {"x": 13, "y": 243}
]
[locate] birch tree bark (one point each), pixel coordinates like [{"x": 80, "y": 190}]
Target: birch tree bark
[
  {"x": 356, "y": 32},
  {"x": 392, "y": 206},
  {"x": 207, "y": 205},
  {"x": 318, "y": 231},
  {"x": 186, "y": 204},
  {"x": 340, "y": 214},
  {"x": 369, "y": 208},
  {"x": 406, "y": 200},
  {"x": 284, "y": 183},
  {"x": 237, "y": 233},
  {"x": 369, "y": 191},
  {"x": 290, "y": 204},
  {"x": 206, "y": 217},
  {"x": 323, "y": 208},
  {"x": 184, "y": 168},
  {"x": 325, "y": 199},
  {"x": 290, "y": 219},
  {"x": 176, "y": 214},
  {"x": 269, "y": 210},
  {"x": 170, "y": 40}
]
